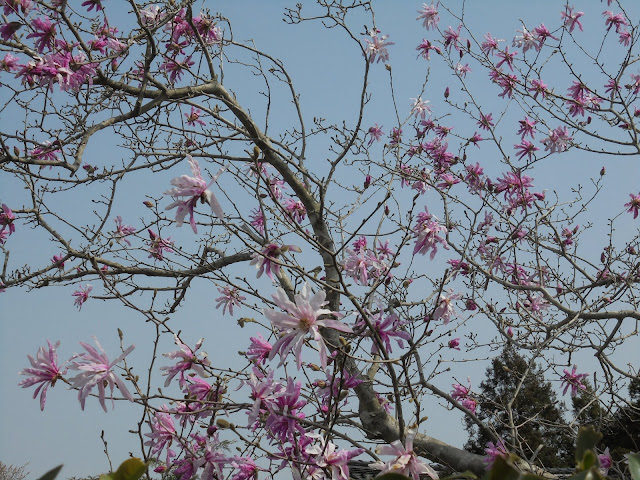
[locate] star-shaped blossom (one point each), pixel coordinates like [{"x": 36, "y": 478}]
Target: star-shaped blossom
[
  {"x": 301, "y": 318},
  {"x": 188, "y": 359},
  {"x": 573, "y": 380},
  {"x": 44, "y": 371},
  {"x": 327, "y": 456},
  {"x": 82, "y": 295},
  {"x": 406, "y": 461},
  {"x": 376, "y": 47},
  {"x": 97, "y": 370},
  {"x": 267, "y": 260},
  {"x": 429, "y": 16},
  {"x": 196, "y": 189},
  {"x": 634, "y": 205}
]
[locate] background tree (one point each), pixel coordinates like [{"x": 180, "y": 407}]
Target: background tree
[
  {"x": 11, "y": 472},
  {"x": 520, "y": 406}
]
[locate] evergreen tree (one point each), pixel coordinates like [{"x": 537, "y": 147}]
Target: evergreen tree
[{"x": 537, "y": 415}]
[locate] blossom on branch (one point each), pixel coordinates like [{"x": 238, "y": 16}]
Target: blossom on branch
[
  {"x": 187, "y": 360},
  {"x": 406, "y": 461},
  {"x": 573, "y": 380},
  {"x": 82, "y": 295},
  {"x": 197, "y": 189},
  {"x": 376, "y": 47},
  {"x": 44, "y": 371},
  {"x": 266, "y": 261},
  {"x": 301, "y": 318},
  {"x": 97, "y": 370}
]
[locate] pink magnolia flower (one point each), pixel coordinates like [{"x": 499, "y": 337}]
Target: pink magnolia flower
[
  {"x": 246, "y": 467},
  {"x": 490, "y": 44},
  {"x": 122, "y": 231},
  {"x": 571, "y": 19},
  {"x": 625, "y": 38},
  {"x": 57, "y": 261},
  {"x": 375, "y": 133},
  {"x": 230, "y": 298},
  {"x": 425, "y": 49},
  {"x": 300, "y": 319},
  {"x": 326, "y": 456},
  {"x": 197, "y": 189},
  {"x": 454, "y": 344},
  {"x": 538, "y": 87},
  {"x": 427, "y": 234},
  {"x": 150, "y": 15},
  {"x": 386, "y": 326},
  {"x": 634, "y": 205},
  {"x": 44, "y": 371},
  {"x": 12, "y": 6},
  {"x": 82, "y": 295},
  {"x": 616, "y": 20},
  {"x": 573, "y": 380},
  {"x": 257, "y": 220},
  {"x": 452, "y": 38},
  {"x": 463, "y": 395},
  {"x": 486, "y": 121},
  {"x": 295, "y": 208},
  {"x": 525, "y": 148},
  {"x": 9, "y": 62},
  {"x": 266, "y": 261},
  {"x": 494, "y": 451},
  {"x": 194, "y": 117},
  {"x": 259, "y": 350},
  {"x": 506, "y": 57},
  {"x": 429, "y": 15},
  {"x": 163, "y": 431},
  {"x": 377, "y": 47},
  {"x": 44, "y": 32},
  {"x": 420, "y": 107},
  {"x": 526, "y": 128},
  {"x": 8, "y": 29},
  {"x": 406, "y": 461},
  {"x": 264, "y": 392},
  {"x": 6, "y": 219},
  {"x": 527, "y": 40},
  {"x": 188, "y": 360},
  {"x": 96, "y": 370},
  {"x": 159, "y": 245},
  {"x": 445, "y": 309},
  {"x": 605, "y": 461},
  {"x": 558, "y": 140}
]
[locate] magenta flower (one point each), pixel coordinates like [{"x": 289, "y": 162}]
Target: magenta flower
[
  {"x": 526, "y": 128},
  {"x": 266, "y": 261},
  {"x": 82, "y": 295},
  {"x": 230, "y": 298},
  {"x": 425, "y": 49},
  {"x": 634, "y": 205},
  {"x": 377, "y": 47},
  {"x": 96, "y": 370},
  {"x": 6, "y": 219},
  {"x": 614, "y": 20},
  {"x": 8, "y": 29},
  {"x": 246, "y": 467},
  {"x": 264, "y": 392},
  {"x": 301, "y": 318},
  {"x": 91, "y": 4},
  {"x": 259, "y": 350},
  {"x": 9, "y": 62},
  {"x": 386, "y": 326},
  {"x": 507, "y": 58},
  {"x": 573, "y": 380},
  {"x": 427, "y": 234},
  {"x": 452, "y": 38},
  {"x": 12, "y": 6},
  {"x": 604, "y": 461},
  {"x": 194, "y": 117},
  {"x": 571, "y": 19},
  {"x": 429, "y": 16},
  {"x": 188, "y": 360},
  {"x": 538, "y": 87},
  {"x": 44, "y": 371},
  {"x": 525, "y": 148},
  {"x": 454, "y": 344},
  {"x": 44, "y": 33},
  {"x": 122, "y": 231},
  {"x": 463, "y": 395},
  {"x": 494, "y": 451},
  {"x": 490, "y": 44},
  {"x": 486, "y": 121},
  {"x": 257, "y": 220},
  {"x": 406, "y": 461},
  {"x": 57, "y": 261},
  {"x": 197, "y": 189},
  {"x": 375, "y": 133},
  {"x": 175, "y": 69},
  {"x": 159, "y": 245},
  {"x": 295, "y": 209}
]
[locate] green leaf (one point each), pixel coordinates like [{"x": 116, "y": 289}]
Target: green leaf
[
  {"x": 130, "y": 469},
  {"x": 53, "y": 473},
  {"x": 588, "y": 460},
  {"x": 588, "y": 438},
  {"x": 503, "y": 470},
  {"x": 634, "y": 465}
]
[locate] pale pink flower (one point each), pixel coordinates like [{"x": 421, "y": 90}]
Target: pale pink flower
[
  {"x": 377, "y": 47},
  {"x": 429, "y": 15},
  {"x": 427, "y": 234},
  {"x": 463, "y": 395},
  {"x": 326, "y": 456},
  {"x": 375, "y": 133},
  {"x": 163, "y": 431},
  {"x": 150, "y": 15},
  {"x": 295, "y": 208},
  {"x": 96, "y": 370},
  {"x": 197, "y": 189},
  {"x": 230, "y": 298},
  {"x": 188, "y": 360},
  {"x": 159, "y": 245},
  {"x": 266, "y": 261},
  {"x": 420, "y": 107},
  {"x": 558, "y": 140},
  {"x": 44, "y": 371},
  {"x": 490, "y": 44},
  {"x": 573, "y": 380},
  {"x": 82, "y": 295},
  {"x": 571, "y": 19},
  {"x": 406, "y": 461},
  {"x": 300, "y": 319},
  {"x": 634, "y": 205},
  {"x": 122, "y": 231},
  {"x": 194, "y": 117}
]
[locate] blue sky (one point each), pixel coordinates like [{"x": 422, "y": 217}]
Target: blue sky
[{"x": 327, "y": 76}]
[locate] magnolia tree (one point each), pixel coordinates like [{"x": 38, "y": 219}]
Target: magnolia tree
[{"x": 361, "y": 257}]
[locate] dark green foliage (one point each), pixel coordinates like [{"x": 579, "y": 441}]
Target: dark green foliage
[
  {"x": 621, "y": 428},
  {"x": 537, "y": 414}
]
